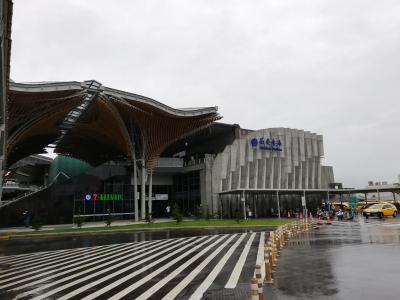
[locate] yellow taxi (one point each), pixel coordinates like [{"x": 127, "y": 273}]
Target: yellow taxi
[{"x": 380, "y": 210}]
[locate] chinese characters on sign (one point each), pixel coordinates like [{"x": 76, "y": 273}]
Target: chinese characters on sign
[{"x": 267, "y": 144}]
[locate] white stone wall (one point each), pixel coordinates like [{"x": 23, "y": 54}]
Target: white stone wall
[{"x": 297, "y": 166}]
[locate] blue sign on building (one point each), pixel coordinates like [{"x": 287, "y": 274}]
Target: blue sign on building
[{"x": 267, "y": 144}]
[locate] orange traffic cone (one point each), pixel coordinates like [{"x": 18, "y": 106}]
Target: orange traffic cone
[
  {"x": 310, "y": 216},
  {"x": 319, "y": 222},
  {"x": 328, "y": 220},
  {"x": 288, "y": 215}
]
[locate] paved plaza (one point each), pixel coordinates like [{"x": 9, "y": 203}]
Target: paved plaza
[{"x": 356, "y": 259}]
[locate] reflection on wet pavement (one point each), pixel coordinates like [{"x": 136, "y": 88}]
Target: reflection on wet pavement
[
  {"x": 26, "y": 245},
  {"x": 347, "y": 260}
]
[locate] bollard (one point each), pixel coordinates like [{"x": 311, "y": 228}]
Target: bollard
[
  {"x": 254, "y": 289},
  {"x": 270, "y": 258},
  {"x": 259, "y": 283},
  {"x": 282, "y": 240},
  {"x": 274, "y": 256},
  {"x": 268, "y": 267},
  {"x": 276, "y": 242}
]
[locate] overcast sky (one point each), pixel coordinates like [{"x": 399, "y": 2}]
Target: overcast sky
[{"x": 330, "y": 67}]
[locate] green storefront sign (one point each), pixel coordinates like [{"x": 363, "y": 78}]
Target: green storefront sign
[{"x": 103, "y": 197}]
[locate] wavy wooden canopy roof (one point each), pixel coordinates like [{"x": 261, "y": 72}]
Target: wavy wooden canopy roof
[{"x": 107, "y": 124}]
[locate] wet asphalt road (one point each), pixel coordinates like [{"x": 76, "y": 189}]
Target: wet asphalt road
[
  {"x": 357, "y": 259},
  {"x": 348, "y": 260},
  {"x": 138, "y": 265}
]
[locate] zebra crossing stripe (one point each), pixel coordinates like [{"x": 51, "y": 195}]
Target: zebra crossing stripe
[
  {"x": 62, "y": 257},
  {"x": 39, "y": 272},
  {"x": 260, "y": 255},
  {"x": 131, "y": 275},
  {"x": 33, "y": 256},
  {"x": 35, "y": 261},
  {"x": 94, "y": 283},
  {"x": 40, "y": 266},
  {"x": 155, "y": 288},
  {"x": 49, "y": 254},
  {"x": 10, "y": 258},
  {"x": 67, "y": 270},
  {"x": 234, "y": 278},
  {"x": 134, "y": 256},
  {"x": 198, "y": 294},
  {"x": 14, "y": 257},
  {"x": 56, "y": 255},
  {"x": 178, "y": 288}
]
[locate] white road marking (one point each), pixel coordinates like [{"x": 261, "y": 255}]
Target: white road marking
[
  {"x": 120, "y": 271},
  {"x": 171, "y": 259},
  {"x": 260, "y": 255},
  {"x": 178, "y": 288},
  {"x": 234, "y": 278},
  {"x": 56, "y": 255},
  {"x": 159, "y": 284},
  {"x": 39, "y": 266},
  {"x": 40, "y": 273},
  {"x": 198, "y": 294},
  {"x": 35, "y": 256},
  {"x": 79, "y": 266},
  {"x": 131, "y": 275},
  {"x": 113, "y": 266},
  {"x": 19, "y": 258}
]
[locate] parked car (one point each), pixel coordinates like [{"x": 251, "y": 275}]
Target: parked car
[{"x": 380, "y": 210}]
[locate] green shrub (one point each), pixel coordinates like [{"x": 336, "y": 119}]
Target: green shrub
[
  {"x": 209, "y": 215},
  {"x": 37, "y": 222},
  {"x": 238, "y": 216},
  {"x": 109, "y": 218},
  {"x": 198, "y": 214},
  {"x": 79, "y": 221},
  {"x": 177, "y": 214},
  {"x": 148, "y": 218}
]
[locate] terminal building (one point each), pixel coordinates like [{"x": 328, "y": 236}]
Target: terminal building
[
  {"x": 116, "y": 148},
  {"x": 130, "y": 155}
]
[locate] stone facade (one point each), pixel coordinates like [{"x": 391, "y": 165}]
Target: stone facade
[{"x": 295, "y": 164}]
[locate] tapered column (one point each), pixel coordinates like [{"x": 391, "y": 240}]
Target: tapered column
[
  {"x": 150, "y": 194},
  {"x": 134, "y": 183},
  {"x": 143, "y": 190}
]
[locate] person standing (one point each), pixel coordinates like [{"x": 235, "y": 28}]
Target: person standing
[{"x": 168, "y": 210}]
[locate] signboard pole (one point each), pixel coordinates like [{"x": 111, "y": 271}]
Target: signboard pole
[
  {"x": 304, "y": 203},
  {"x": 279, "y": 206}
]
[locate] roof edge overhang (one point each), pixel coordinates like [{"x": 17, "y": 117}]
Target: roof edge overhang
[{"x": 40, "y": 87}]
